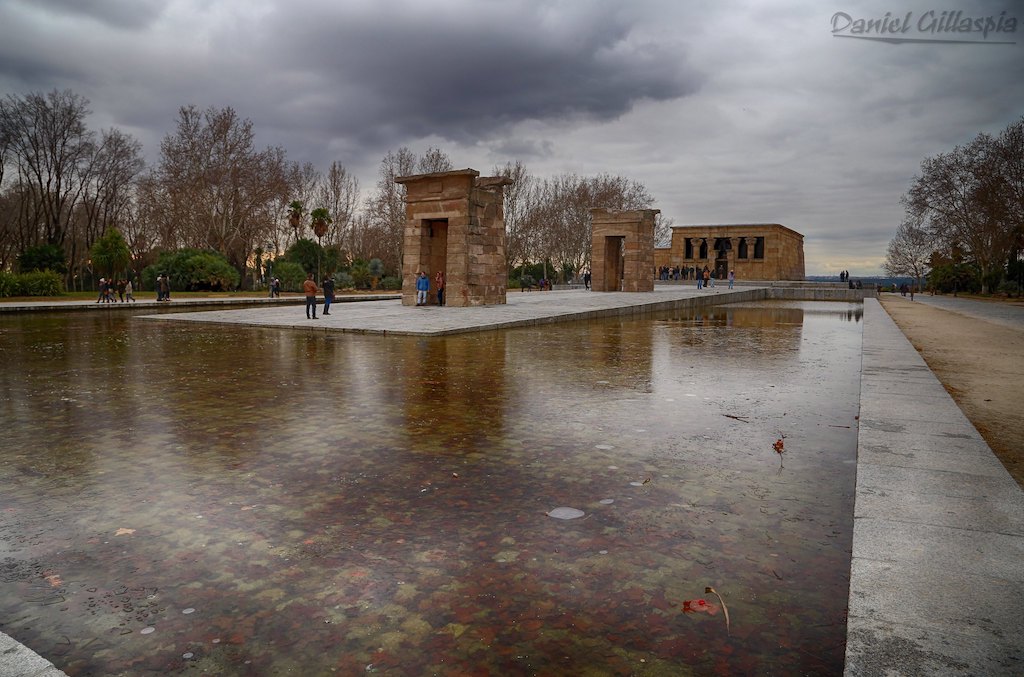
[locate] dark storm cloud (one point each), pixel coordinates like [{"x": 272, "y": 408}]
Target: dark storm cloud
[{"x": 469, "y": 71}]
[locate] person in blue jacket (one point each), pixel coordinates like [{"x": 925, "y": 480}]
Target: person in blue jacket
[{"x": 422, "y": 287}]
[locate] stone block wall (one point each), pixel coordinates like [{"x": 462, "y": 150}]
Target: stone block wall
[
  {"x": 783, "y": 250},
  {"x": 455, "y": 222},
  {"x": 622, "y": 244}
]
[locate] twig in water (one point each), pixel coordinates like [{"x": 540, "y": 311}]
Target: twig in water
[
  {"x": 738, "y": 418},
  {"x": 711, "y": 591}
]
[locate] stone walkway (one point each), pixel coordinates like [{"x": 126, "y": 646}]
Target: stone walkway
[
  {"x": 521, "y": 308},
  {"x": 937, "y": 581}
]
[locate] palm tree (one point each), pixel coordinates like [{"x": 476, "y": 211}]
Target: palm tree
[
  {"x": 295, "y": 212},
  {"x": 320, "y": 218}
]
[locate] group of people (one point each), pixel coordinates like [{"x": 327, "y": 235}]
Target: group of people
[
  {"x": 310, "y": 290},
  {"x": 844, "y": 275},
  {"x": 115, "y": 291},
  {"x": 163, "y": 287},
  {"x": 705, "y": 277},
  {"x": 423, "y": 287},
  {"x": 676, "y": 273},
  {"x": 274, "y": 288}
]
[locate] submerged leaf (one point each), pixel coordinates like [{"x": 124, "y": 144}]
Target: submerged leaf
[
  {"x": 693, "y": 606},
  {"x": 566, "y": 513}
]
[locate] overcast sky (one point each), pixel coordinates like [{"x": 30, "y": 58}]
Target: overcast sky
[{"x": 728, "y": 111}]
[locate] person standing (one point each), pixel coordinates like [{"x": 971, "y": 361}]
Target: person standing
[
  {"x": 103, "y": 290},
  {"x": 128, "y": 295},
  {"x": 163, "y": 288},
  {"x": 439, "y": 283},
  {"x": 328, "y": 284},
  {"x": 586, "y": 280},
  {"x": 700, "y": 281},
  {"x": 732, "y": 278},
  {"x": 422, "y": 287},
  {"x": 707, "y": 277},
  {"x": 309, "y": 288}
]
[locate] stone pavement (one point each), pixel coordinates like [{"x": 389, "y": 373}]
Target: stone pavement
[
  {"x": 521, "y": 308},
  {"x": 937, "y": 580},
  {"x": 17, "y": 660}
]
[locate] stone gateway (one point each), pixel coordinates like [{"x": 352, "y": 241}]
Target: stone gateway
[{"x": 455, "y": 223}]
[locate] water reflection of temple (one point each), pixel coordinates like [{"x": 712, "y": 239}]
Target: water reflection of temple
[{"x": 453, "y": 389}]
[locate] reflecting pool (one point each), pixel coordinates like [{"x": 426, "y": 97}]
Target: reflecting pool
[{"x": 197, "y": 498}]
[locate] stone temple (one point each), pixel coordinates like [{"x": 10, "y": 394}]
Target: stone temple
[
  {"x": 455, "y": 223},
  {"x": 622, "y": 250},
  {"x": 757, "y": 251}
]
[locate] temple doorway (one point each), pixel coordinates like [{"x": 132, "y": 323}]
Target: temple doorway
[
  {"x": 614, "y": 262},
  {"x": 435, "y": 247}
]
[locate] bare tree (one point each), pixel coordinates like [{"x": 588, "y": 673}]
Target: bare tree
[
  {"x": 521, "y": 198},
  {"x": 50, "y": 147},
  {"x": 1010, "y": 156},
  {"x": 305, "y": 183},
  {"x": 910, "y": 251},
  {"x": 108, "y": 196},
  {"x": 562, "y": 215},
  {"x": 339, "y": 193},
  {"x": 434, "y": 160},
  {"x": 216, "y": 189},
  {"x": 964, "y": 197},
  {"x": 663, "y": 230},
  {"x": 387, "y": 206}
]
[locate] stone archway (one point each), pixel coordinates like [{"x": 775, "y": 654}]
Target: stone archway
[
  {"x": 622, "y": 249},
  {"x": 455, "y": 223}
]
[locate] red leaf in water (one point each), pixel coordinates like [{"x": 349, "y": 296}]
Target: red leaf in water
[
  {"x": 779, "y": 446},
  {"x": 693, "y": 606}
]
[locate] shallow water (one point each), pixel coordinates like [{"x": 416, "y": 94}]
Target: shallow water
[{"x": 250, "y": 501}]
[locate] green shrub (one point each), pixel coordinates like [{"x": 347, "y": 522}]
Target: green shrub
[
  {"x": 390, "y": 283},
  {"x": 206, "y": 272},
  {"x": 292, "y": 275},
  {"x": 344, "y": 281},
  {"x": 8, "y": 284},
  {"x": 192, "y": 270},
  {"x": 1009, "y": 288},
  {"x": 312, "y": 257},
  {"x": 360, "y": 272},
  {"x": 35, "y": 283},
  {"x": 948, "y": 278}
]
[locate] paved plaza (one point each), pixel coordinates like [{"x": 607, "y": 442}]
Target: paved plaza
[{"x": 938, "y": 547}]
